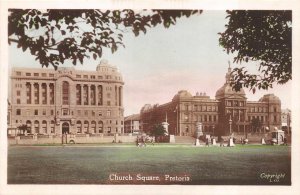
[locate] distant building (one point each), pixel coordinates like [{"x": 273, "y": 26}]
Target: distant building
[
  {"x": 185, "y": 110},
  {"x": 132, "y": 124},
  {"x": 67, "y": 100},
  {"x": 286, "y": 115}
]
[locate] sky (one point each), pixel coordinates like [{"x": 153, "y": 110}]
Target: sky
[{"x": 157, "y": 65}]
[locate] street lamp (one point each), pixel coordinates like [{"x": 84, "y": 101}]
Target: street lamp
[
  {"x": 213, "y": 130},
  {"x": 230, "y": 123}
]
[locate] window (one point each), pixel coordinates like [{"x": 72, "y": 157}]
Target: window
[
  {"x": 78, "y": 76},
  {"x": 108, "y": 129},
  {"x": 18, "y": 73},
  {"x": 36, "y": 74},
  {"x": 18, "y": 112},
  {"x": 52, "y": 112},
  {"x": 108, "y": 103},
  {"x": 18, "y": 101},
  {"x": 78, "y": 112},
  {"x": 18, "y": 93},
  {"x": 28, "y": 74},
  {"x": 229, "y": 103},
  {"x": 108, "y": 95},
  {"x": 100, "y": 113},
  {"x": 65, "y": 112},
  {"x": 86, "y": 113},
  {"x": 44, "y": 112},
  {"x": 65, "y": 93},
  {"x": 44, "y": 75},
  {"x": 93, "y": 113},
  {"x": 186, "y": 107},
  {"x": 100, "y": 77},
  {"x": 51, "y": 75},
  {"x": 36, "y": 112},
  {"x": 93, "y": 76},
  {"x": 108, "y": 113},
  {"x": 85, "y": 76}
]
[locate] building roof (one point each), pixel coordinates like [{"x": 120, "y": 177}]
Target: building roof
[
  {"x": 133, "y": 117},
  {"x": 271, "y": 98},
  {"x": 226, "y": 90}
]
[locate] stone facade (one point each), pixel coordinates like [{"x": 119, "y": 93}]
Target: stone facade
[
  {"x": 67, "y": 100},
  {"x": 185, "y": 110}
]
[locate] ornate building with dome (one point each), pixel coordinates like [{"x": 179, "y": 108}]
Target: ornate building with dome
[
  {"x": 229, "y": 112},
  {"x": 67, "y": 100}
]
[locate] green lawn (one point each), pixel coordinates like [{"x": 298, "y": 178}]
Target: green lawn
[{"x": 203, "y": 165}]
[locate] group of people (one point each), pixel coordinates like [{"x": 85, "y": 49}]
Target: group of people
[{"x": 141, "y": 141}]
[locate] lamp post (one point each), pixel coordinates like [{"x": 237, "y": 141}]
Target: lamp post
[
  {"x": 230, "y": 123},
  {"x": 213, "y": 130}
]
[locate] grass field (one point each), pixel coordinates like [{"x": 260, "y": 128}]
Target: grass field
[{"x": 240, "y": 165}]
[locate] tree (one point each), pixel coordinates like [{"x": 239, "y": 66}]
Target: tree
[
  {"x": 264, "y": 37},
  {"x": 256, "y": 124},
  {"x": 23, "y": 128},
  {"x": 54, "y": 36},
  {"x": 158, "y": 130}
]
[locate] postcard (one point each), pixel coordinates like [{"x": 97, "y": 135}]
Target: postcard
[{"x": 112, "y": 97}]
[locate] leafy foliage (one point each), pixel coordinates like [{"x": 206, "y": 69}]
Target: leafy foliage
[
  {"x": 54, "y": 36},
  {"x": 23, "y": 127},
  {"x": 256, "y": 124},
  {"x": 158, "y": 130},
  {"x": 264, "y": 37}
]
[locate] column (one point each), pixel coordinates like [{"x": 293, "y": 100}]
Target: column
[
  {"x": 89, "y": 95},
  {"x": 81, "y": 93}
]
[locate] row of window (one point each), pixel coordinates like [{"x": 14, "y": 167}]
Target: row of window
[
  {"x": 261, "y": 109},
  {"x": 264, "y": 118},
  {"x": 77, "y": 76},
  {"x": 65, "y": 112},
  {"x": 82, "y": 127},
  {"x": 202, "y": 118},
  {"x": 235, "y": 103},
  {"x": 202, "y": 108}
]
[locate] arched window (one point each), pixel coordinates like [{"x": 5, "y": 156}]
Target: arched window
[
  {"x": 85, "y": 95},
  {"x": 78, "y": 94},
  {"x": 86, "y": 127},
  {"x": 93, "y": 127},
  {"x": 65, "y": 93},
  {"x": 51, "y": 90},
  {"x": 100, "y": 95},
  {"x": 93, "y": 95},
  {"x": 44, "y": 127},
  {"x": 36, "y": 93},
  {"x": 28, "y": 123},
  {"x": 79, "y": 127},
  {"x": 100, "y": 126},
  {"x": 36, "y": 126},
  {"x": 44, "y": 93},
  {"x": 52, "y": 126},
  {"x": 28, "y": 93}
]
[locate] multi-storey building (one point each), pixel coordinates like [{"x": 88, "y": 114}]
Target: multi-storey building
[
  {"x": 229, "y": 113},
  {"x": 67, "y": 100}
]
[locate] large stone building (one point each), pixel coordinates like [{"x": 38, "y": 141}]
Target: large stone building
[
  {"x": 67, "y": 100},
  {"x": 229, "y": 112}
]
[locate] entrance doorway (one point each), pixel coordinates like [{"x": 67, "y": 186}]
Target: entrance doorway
[{"x": 65, "y": 128}]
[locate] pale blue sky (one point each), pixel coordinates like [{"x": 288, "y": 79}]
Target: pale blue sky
[{"x": 155, "y": 66}]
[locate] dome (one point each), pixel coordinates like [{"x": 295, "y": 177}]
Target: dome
[
  {"x": 104, "y": 67},
  {"x": 226, "y": 90},
  {"x": 182, "y": 94},
  {"x": 270, "y": 98}
]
